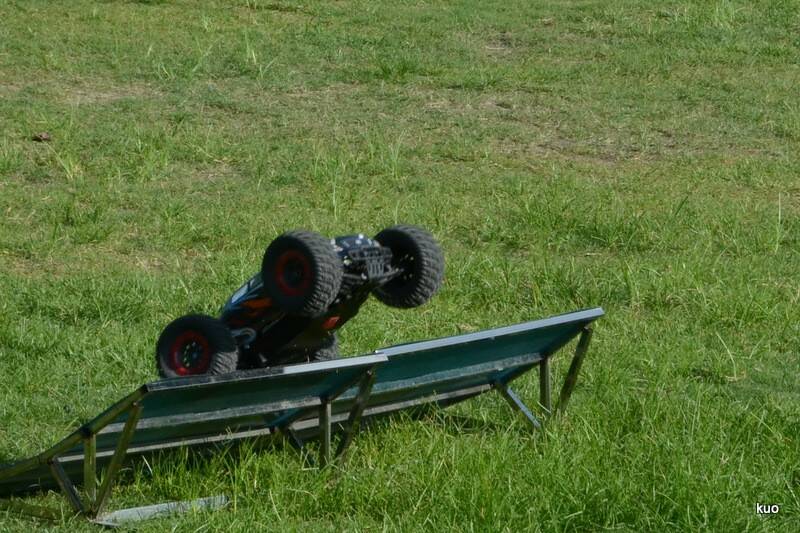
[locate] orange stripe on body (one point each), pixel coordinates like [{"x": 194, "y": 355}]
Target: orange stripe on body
[{"x": 260, "y": 303}]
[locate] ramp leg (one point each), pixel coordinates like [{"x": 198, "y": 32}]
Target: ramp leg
[
  {"x": 354, "y": 419},
  {"x": 325, "y": 428},
  {"x": 515, "y": 402},
  {"x": 544, "y": 386},
  {"x": 117, "y": 458},
  {"x": 574, "y": 369},
  {"x": 90, "y": 467},
  {"x": 66, "y": 485}
]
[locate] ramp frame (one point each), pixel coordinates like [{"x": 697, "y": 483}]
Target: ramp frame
[
  {"x": 351, "y": 397},
  {"x": 94, "y": 499}
]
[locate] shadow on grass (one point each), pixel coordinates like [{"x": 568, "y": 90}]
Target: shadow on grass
[
  {"x": 150, "y": 465},
  {"x": 449, "y": 421}
]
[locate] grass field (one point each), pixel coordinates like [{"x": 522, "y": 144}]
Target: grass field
[{"x": 641, "y": 156}]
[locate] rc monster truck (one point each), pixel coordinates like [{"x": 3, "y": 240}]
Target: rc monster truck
[{"x": 308, "y": 287}]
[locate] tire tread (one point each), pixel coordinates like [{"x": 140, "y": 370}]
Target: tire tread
[
  {"x": 224, "y": 354},
  {"x": 430, "y": 273},
  {"x": 327, "y": 269}
]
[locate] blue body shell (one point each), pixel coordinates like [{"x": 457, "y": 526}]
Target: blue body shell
[{"x": 267, "y": 336}]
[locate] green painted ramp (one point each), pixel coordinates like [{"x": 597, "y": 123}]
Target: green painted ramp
[{"x": 299, "y": 402}]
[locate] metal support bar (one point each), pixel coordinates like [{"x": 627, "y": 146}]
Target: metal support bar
[
  {"x": 117, "y": 458},
  {"x": 90, "y": 468},
  {"x": 293, "y": 415},
  {"x": 66, "y": 486},
  {"x": 544, "y": 386},
  {"x": 111, "y": 414},
  {"x": 291, "y": 437},
  {"x": 574, "y": 369},
  {"x": 353, "y": 421},
  {"x": 43, "y": 458},
  {"x": 325, "y": 427},
  {"x": 515, "y": 402},
  {"x": 137, "y": 514}
]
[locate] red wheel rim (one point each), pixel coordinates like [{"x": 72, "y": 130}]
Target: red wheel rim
[
  {"x": 293, "y": 273},
  {"x": 190, "y": 354}
]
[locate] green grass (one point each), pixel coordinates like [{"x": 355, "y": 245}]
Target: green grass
[{"x": 636, "y": 155}]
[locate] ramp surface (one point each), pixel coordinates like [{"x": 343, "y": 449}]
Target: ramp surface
[{"x": 457, "y": 368}]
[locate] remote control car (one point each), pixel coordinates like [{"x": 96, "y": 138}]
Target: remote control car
[{"x": 308, "y": 287}]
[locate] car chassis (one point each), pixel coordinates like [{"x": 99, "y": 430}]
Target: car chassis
[{"x": 307, "y": 289}]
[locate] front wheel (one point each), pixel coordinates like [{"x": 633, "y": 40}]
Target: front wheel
[
  {"x": 302, "y": 273},
  {"x": 196, "y": 344},
  {"x": 421, "y": 262}
]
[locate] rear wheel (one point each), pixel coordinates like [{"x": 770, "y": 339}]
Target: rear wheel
[
  {"x": 302, "y": 273},
  {"x": 194, "y": 345},
  {"x": 419, "y": 257}
]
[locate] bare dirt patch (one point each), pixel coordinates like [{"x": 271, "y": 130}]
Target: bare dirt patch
[
  {"x": 95, "y": 93},
  {"x": 8, "y": 88},
  {"x": 500, "y": 44}
]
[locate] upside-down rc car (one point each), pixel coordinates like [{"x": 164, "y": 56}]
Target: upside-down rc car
[{"x": 308, "y": 287}]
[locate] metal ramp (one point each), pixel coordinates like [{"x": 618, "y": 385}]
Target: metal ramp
[{"x": 299, "y": 403}]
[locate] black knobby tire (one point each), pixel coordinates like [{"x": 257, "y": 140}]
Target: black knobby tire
[
  {"x": 302, "y": 273},
  {"x": 417, "y": 254},
  {"x": 326, "y": 350},
  {"x": 194, "y": 345}
]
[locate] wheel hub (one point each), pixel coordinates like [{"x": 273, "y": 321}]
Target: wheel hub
[{"x": 293, "y": 273}]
